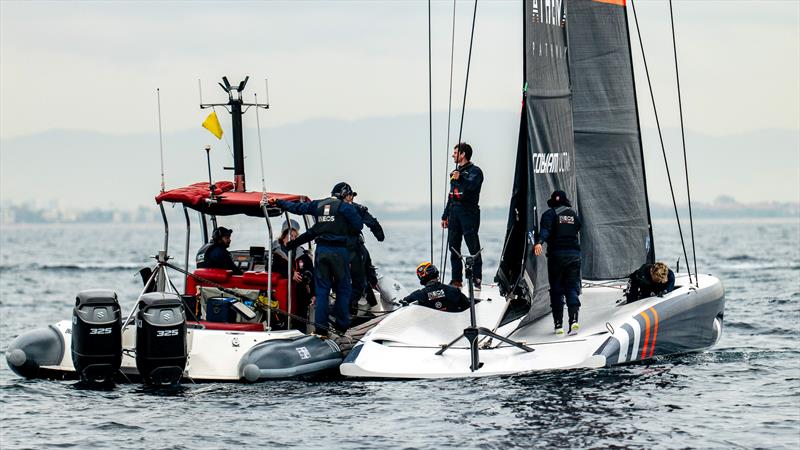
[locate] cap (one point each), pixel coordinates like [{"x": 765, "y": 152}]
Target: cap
[
  {"x": 294, "y": 225},
  {"x": 221, "y": 232},
  {"x": 558, "y": 197}
]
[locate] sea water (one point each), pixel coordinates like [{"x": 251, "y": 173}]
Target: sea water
[{"x": 745, "y": 392}]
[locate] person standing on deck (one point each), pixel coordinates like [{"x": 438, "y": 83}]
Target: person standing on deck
[
  {"x": 559, "y": 228},
  {"x": 335, "y": 220},
  {"x": 359, "y": 256},
  {"x": 462, "y": 216}
]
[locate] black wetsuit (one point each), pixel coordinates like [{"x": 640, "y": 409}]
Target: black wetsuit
[
  {"x": 642, "y": 286},
  {"x": 464, "y": 218},
  {"x": 440, "y": 296}
]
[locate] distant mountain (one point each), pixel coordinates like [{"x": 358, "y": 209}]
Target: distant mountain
[
  {"x": 384, "y": 158},
  {"x": 723, "y": 207}
]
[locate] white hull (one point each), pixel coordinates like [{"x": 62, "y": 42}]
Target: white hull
[
  {"x": 213, "y": 355},
  {"x": 404, "y": 345}
]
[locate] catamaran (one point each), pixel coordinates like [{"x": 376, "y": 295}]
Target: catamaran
[{"x": 579, "y": 132}]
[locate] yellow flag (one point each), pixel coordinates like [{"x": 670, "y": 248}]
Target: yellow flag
[{"x": 212, "y": 124}]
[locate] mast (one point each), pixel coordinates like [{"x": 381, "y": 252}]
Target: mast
[{"x": 234, "y": 107}]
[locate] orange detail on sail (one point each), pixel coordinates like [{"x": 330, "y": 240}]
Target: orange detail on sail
[
  {"x": 655, "y": 331},
  {"x": 646, "y": 333},
  {"x": 612, "y": 2}
]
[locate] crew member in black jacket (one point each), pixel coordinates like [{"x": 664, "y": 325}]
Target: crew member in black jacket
[
  {"x": 335, "y": 218},
  {"x": 462, "y": 216},
  {"x": 559, "y": 228},
  {"x": 649, "y": 280},
  {"x": 215, "y": 254},
  {"x": 436, "y": 294},
  {"x": 359, "y": 256}
]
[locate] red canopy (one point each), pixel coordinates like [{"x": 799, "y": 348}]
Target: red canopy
[{"x": 226, "y": 202}]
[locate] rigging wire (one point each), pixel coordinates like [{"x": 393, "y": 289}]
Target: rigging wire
[
  {"x": 469, "y": 60},
  {"x": 442, "y": 250},
  {"x": 660, "y": 136},
  {"x": 430, "y": 124},
  {"x": 464, "y": 100},
  {"x": 260, "y": 150},
  {"x": 683, "y": 141}
]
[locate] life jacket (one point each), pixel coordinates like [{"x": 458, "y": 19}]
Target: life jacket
[
  {"x": 200, "y": 259},
  {"x": 564, "y": 233},
  {"x": 330, "y": 222}
]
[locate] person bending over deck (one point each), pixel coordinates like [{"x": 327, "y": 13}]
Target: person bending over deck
[
  {"x": 436, "y": 294},
  {"x": 335, "y": 220},
  {"x": 650, "y": 280},
  {"x": 559, "y": 228},
  {"x": 215, "y": 254}
]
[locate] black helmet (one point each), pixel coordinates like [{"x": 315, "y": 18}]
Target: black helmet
[
  {"x": 558, "y": 198},
  {"x": 427, "y": 272},
  {"x": 342, "y": 190},
  {"x": 219, "y": 233}
]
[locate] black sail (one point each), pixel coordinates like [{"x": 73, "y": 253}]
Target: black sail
[
  {"x": 616, "y": 237},
  {"x": 545, "y": 152}
]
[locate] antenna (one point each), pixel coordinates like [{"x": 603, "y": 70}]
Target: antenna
[
  {"x": 160, "y": 139},
  {"x": 236, "y": 106},
  {"x": 200, "y": 90},
  {"x": 266, "y": 90},
  {"x": 260, "y": 150}
]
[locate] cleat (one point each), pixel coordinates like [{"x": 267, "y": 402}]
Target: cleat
[{"x": 573, "y": 329}]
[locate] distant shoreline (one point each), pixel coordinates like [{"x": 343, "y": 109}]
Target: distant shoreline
[{"x": 25, "y": 215}]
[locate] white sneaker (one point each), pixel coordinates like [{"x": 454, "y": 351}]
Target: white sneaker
[
  {"x": 559, "y": 331},
  {"x": 573, "y": 329}
]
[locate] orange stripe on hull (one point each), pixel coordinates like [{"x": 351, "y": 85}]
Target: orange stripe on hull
[
  {"x": 646, "y": 333},
  {"x": 655, "y": 331},
  {"x": 612, "y": 2}
]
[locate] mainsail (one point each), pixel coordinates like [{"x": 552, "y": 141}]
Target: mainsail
[
  {"x": 616, "y": 237},
  {"x": 545, "y": 152},
  {"x": 579, "y": 132}
]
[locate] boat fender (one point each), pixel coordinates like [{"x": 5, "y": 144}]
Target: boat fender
[
  {"x": 34, "y": 349},
  {"x": 286, "y": 358},
  {"x": 391, "y": 290}
]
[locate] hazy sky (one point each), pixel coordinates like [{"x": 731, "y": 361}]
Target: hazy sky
[{"x": 95, "y": 65}]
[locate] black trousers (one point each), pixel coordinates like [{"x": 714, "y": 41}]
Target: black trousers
[
  {"x": 358, "y": 275},
  {"x": 564, "y": 276},
  {"x": 464, "y": 223}
]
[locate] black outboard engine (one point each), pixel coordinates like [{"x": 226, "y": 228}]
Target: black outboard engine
[
  {"x": 160, "y": 338},
  {"x": 96, "y": 335}
]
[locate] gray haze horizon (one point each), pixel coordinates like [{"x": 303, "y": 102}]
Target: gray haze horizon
[{"x": 348, "y": 88}]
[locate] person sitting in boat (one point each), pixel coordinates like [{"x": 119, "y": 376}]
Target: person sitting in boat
[
  {"x": 302, "y": 269},
  {"x": 649, "y": 280},
  {"x": 435, "y": 294},
  {"x": 335, "y": 219},
  {"x": 559, "y": 228},
  {"x": 215, "y": 254}
]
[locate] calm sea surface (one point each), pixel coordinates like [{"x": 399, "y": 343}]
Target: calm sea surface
[{"x": 745, "y": 392}]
